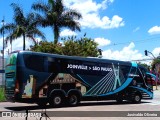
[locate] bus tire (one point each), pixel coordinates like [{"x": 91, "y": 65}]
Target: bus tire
[
  {"x": 73, "y": 99},
  {"x": 56, "y": 100},
  {"x": 137, "y": 98}
]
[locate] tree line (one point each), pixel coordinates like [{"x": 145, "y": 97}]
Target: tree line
[{"x": 51, "y": 14}]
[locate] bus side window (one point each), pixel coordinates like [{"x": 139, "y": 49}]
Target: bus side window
[
  {"x": 50, "y": 65},
  {"x": 125, "y": 70},
  {"x": 46, "y": 65},
  {"x": 34, "y": 62},
  {"x": 138, "y": 77},
  {"x": 143, "y": 71}
]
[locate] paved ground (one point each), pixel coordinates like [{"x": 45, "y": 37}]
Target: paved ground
[{"x": 104, "y": 108}]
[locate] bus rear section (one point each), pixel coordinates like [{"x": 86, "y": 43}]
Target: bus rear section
[{"x": 10, "y": 76}]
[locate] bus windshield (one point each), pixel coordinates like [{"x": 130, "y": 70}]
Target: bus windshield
[{"x": 150, "y": 78}]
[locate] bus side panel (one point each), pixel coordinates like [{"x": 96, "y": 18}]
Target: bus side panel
[
  {"x": 10, "y": 76},
  {"x": 90, "y": 78},
  {"x": 39, "y": 75}
]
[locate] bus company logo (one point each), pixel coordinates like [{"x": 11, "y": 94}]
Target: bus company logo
[{"x": 6, "y": 114}]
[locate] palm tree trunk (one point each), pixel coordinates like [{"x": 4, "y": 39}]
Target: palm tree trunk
[
  {"x": 24, "y": 44},
  {"x": 56, "y": 34}
]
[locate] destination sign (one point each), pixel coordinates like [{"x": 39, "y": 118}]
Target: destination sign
[{"x": 85, "y": 67}]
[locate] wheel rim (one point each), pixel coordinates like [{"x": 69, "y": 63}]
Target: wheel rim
[
  {"x": 137, "y": 98},
  {"x": 73, "y": 100},
  {"x": 57, "y": 100}
]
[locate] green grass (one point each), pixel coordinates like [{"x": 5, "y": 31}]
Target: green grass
[{"x": 2, "y": 95}]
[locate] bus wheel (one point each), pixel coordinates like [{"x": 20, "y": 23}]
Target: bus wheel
[
  {"x": 73, "y": 100},
  {"x": 55, "y": 100},
  {"x": 137, "y": 98}
]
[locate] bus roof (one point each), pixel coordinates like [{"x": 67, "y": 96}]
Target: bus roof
[{"x": 90, "y": 59}]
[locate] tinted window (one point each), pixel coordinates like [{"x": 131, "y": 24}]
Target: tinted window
[
  {"x": 34, "y": 62},
  {"x": 125, "y": 70},
  {"x": 138, "y": 77},
  {"x": 51, "y": 64},
  {"x": 143, "y": 71},
  {"x": 149, "y": 81}
]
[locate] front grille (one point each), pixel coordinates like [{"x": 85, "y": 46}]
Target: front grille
[
  {"x": 10, "y": 75},
  {"x": 145, "y": 96},
  {"x": 9, "y": 92}
]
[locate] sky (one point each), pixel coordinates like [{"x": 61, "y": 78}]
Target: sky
[{"x": 122, "y": 28}]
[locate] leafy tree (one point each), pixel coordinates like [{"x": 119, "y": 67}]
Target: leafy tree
[
  {"x": 154, "y": 62},
  {"x": 47, "y": 47},
  {"x": 25, "y": 26},
  {"x": 85, "y": 47},
  {"x": 55, "y": 15}
]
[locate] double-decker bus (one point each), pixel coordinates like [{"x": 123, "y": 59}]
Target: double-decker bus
[{"x": 57, "y": 79}]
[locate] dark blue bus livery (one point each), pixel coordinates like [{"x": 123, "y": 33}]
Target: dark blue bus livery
[{"x": 57, "y": 79}]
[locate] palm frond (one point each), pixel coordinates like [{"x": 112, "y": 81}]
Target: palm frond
[
  {"x": 58, "y": 7},
  {"x": 72, "y": 14},
  {"x": 41, "y": 7},
  {"x": 51, "y": 2},
  {"x": 36, "y": 33},
  {"x": 57, "y": 16},
  {"x": 73, "y": 25},
  {"x": 18, "y": 13},
  {"x": 7, "y": 28}
]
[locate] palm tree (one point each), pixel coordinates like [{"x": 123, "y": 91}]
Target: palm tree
[
  {"x": 25, "y": 26},
  {"x": 55, "y": 15}
]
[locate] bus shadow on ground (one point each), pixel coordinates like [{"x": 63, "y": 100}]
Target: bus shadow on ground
[{"x": 90, "y": 103}]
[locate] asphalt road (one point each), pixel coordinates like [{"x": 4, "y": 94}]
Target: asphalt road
[{"x": 95, "y": 110}]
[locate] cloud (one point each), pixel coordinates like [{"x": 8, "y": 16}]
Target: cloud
[
  {"x": 154, "y": 30},
  {"x": 102, "y": 41},
  {"x": 18, "y": 45},
  {"x": 67, "y": 32},
  {"x": 105, "y": 3},
  {"x": 136, "y": 29},
  {"x": 128, "y": 53},
  {"x": 156, "y": 51},
  {"x": 91, "y": 14}
]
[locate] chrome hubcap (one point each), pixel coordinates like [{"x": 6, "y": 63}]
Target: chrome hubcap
[
  {"x": 137, "y": 98},
  {"x": 57, "y": 100}
]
